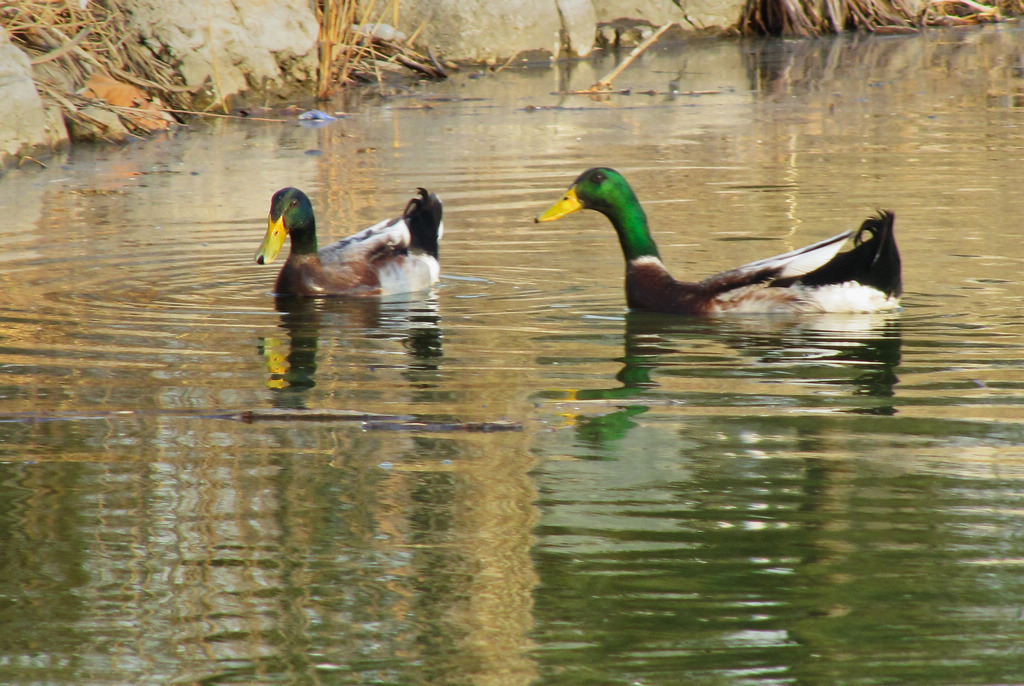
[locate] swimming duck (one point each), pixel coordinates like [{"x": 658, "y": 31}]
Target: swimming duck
[
  {"x": 394, "y": 256},
  {"x": 817, "y": 278}
]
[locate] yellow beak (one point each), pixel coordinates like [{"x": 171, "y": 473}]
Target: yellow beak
[
  {"x": 272, "y": 242},
  {"x": 567, "y": 205}
]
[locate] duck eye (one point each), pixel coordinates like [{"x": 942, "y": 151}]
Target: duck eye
[
  {"x": 293, "y": 203},
  {"x": 599, "y": 177}
]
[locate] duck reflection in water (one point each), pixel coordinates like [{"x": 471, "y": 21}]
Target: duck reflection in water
[
  {"x": 859, "y": 352},
  {"x": 291, "y": 360}
]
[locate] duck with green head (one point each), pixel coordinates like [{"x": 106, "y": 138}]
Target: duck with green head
[
  {"x": 398, "y": 255},
  {"x": 817, "y": 278}
]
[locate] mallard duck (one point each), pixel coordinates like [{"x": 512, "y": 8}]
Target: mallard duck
[
  {"x": 395, "y": 256},
  {"x": 817, "y": 278}
]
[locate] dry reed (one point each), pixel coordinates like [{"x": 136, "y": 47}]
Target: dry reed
[
  {"x": 350, "y": 50},
  {"x": 83, "y": 39},
  {"x": 68, "y": 41},
  {"x": 816, "y": 17}
]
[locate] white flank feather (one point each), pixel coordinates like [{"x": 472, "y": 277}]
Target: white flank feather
[
  {"x": 393, "y": 232},
  {"x": 801, "y": 261},
  {"x": 848, "y": 297},
  {"x": 408, "y": 274}
]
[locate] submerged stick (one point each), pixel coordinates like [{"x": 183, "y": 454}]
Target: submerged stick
[
  {"x": 218, "y": 114},
  {"x": 626, "y": 91},
  {"x": 370, "y": 421},
  {"x": 28, "y": 158},
  {"x": 421, "y": 68}
]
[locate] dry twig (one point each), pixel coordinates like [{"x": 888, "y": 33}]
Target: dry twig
[{"x": 605, "y": 84}]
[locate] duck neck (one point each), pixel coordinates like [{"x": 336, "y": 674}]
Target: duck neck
[
  {"x": 304, "y": 238},
  {"x": 630, "y": 224}
]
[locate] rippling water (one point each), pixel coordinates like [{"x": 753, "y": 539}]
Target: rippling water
[{"x": 511, "y": 480}]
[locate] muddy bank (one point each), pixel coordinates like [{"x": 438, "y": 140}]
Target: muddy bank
[
  {"x": 215, "y": 51},
  {"x": 110, "y": 69}
]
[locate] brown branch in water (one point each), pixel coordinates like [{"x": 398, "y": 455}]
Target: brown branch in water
[
  {"x": 218, "y": 114},
  {"x": 437, "y": 63},
  {"x": 29, "y": 158},
  {"x": 507, "y": 62},
  {"x": 311, "y": 415},
  {"x": 371, "y": 421},
  {"x": 430, "y": 71},
  {"x": 626, "y": 91},
  {"x": 445, "y": 427},
  {"x": 606, "y": 83}
]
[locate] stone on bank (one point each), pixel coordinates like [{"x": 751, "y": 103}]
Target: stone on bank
[
  {"x": 224, "y": 48},
  {"x": 26, "y": 124}
]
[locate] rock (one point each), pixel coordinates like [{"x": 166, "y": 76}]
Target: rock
[
  {"x": 484, "y": 30},
  {"x": 101, "y": 125},
  {"x": 25, "y": 122},
  {"x": 655, "y": 12},
  {"x": 228, "y": 48},
  {"x": 385, "y": 32},
  {"x": 489, "y": 31},
  {"x": 232, "y": 46},
  {"x": 607, "y": 36},
  {"x": 579, "y": 20},
  {"x": 694, "y": 14}
]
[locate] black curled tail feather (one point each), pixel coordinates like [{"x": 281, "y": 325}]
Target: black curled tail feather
[
  {"x": 885, "y": 269},
  {"x": 874, "y": 260},
  {"x": 423, "y": 216}
]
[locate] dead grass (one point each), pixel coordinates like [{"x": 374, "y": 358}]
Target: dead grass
[
  {"x": 816, "y": 17},
  {"x": 83, "y": 40},
  {"x": 71, "y": 42},
  {"x": 348, "y": 54}
]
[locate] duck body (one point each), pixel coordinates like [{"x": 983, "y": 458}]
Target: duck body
[
  {"x": 816, "y": 278},
  {"x": 398, "y": 255}
]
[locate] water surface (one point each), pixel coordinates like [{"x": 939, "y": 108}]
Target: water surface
[{"x": 749, "y": 500}]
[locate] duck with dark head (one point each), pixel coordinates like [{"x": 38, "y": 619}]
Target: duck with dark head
[
  {"x": 816, "y": 278},
  {"x": 398, "y": 255}
]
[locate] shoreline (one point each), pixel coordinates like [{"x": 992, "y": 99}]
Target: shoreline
[{"x": 122, "y": 69}]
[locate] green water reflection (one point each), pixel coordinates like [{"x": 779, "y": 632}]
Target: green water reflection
[
  {"x": 859, "y": 353},
  {"x": 807, "y": 500},
  {"x": 291, "y": 358},
  {"x": 785, "y": 570},
  {"x": 291, "y": 555}
]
